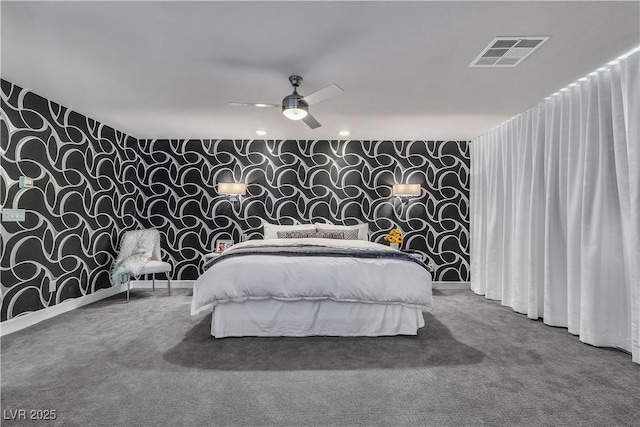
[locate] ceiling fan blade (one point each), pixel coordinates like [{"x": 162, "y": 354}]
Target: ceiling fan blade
[
  {"x": 253, "y": 104},
  {"x": 311, "y": 121},
  {"x": 323, "y": 94}
]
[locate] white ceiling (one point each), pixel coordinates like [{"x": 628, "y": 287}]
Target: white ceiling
[{"x": 160, "y": 69}]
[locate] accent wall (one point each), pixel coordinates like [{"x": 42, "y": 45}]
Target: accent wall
[
  {"x": 82, "y": 200},
  {"x": 300, "y": 182}
]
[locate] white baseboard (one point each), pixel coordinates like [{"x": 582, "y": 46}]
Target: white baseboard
[
  {"x": 161, "y": 284},
  {"x": 452, "y": 285},
  {"x": 30, "y": 319},
  {"x": 188, "y": 284}
]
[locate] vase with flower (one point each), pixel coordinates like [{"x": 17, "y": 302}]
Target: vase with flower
[{"x": 394, "y": 237}]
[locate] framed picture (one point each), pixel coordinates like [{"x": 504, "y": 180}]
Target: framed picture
[{"x": 221, "y": 245}]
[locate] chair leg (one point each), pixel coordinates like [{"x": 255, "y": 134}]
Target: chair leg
[
  {"x": 169, "y": 282},
  {"x": 128, "y": 288},
  {"x": 153, "y": 281}
]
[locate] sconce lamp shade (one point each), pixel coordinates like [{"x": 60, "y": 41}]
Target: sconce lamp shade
[
  {"x": 406, "y": 190},
  {"x": 232, "y": 188}
]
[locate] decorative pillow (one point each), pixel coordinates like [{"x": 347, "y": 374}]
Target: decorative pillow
[
  {"x": 363, "y": 229},
  {"x": 271, "y": 230},
  {"x": 332, "y": 234},
  {"x": 343, "y": 234},
  {"x": 296, "y": 234}
]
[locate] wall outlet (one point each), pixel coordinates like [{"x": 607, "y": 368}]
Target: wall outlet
[
  {"x": 26, "y": 182},
  {"x": 13, "y": 215},
  {"x": 53, "y": 285}
]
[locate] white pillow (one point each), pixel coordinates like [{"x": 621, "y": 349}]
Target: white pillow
[
  {"x": 271, "y": 230},
  {"x": 363, "y": 229}
]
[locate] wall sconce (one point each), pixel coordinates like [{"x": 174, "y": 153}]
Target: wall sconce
[
  {"x": 232, "y": 189},
  {"x": 406, "y": 190}
]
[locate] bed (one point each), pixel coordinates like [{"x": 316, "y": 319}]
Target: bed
[{"x": 313, "y": 286}]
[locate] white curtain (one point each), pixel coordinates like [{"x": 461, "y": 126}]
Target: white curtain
[{"x": 555, "y": 209}]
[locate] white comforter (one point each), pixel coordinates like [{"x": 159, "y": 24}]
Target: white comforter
[{"x": 364, "y": 280}]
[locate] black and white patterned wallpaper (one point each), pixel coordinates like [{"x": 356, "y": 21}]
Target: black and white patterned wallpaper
[
  {"x": 342, "y": 182},
  {"x": 93, "y": 183},
  {"x": 83, "y": 199}
]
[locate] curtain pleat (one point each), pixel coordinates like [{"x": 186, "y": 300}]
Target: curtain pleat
[
  {"x": 625, "y": 90},
  {"x": 555, "y": 209},
  {"x": 555, "y": 242}
]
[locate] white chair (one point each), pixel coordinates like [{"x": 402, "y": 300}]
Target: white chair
[
  {"x": 140, "y": 254},
  {"x": 153, "y": 266}
]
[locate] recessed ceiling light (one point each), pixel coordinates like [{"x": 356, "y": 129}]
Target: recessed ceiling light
[
  {"x": 344, "y": 133},
  {"x": 261, "y": 132}
]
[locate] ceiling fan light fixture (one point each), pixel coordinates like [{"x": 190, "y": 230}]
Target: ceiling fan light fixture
[
  {"x": 294, "y": 108},
  {"x": 295, "y": 113}
]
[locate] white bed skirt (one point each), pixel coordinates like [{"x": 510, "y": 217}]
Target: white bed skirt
[{"x": 265, "y": 318}]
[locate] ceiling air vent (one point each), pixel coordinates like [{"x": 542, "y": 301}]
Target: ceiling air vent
[{"x": 507, "y": 51}]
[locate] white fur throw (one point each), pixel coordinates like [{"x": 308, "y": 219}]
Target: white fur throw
[{"x": 135, "y": 251}]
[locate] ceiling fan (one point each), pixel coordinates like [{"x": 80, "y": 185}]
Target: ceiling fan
[{"x": 296, "y": 106}]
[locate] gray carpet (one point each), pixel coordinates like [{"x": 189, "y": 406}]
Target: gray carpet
[{"x": 150, "y": 363}]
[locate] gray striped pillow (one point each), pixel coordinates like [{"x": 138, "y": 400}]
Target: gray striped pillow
[
  {"x": 328, "y": 234},
  {"x": 296, "y": 234},
  {"x": 346, "y": 234}
]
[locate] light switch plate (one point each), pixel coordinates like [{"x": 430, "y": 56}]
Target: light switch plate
[{"x": 13, "y": 215}]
